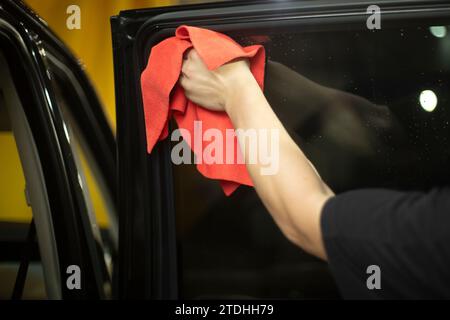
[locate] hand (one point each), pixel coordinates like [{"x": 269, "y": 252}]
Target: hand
[{"x": 213, "y": 89}]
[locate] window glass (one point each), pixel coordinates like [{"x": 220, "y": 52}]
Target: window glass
[
  {"x": 85, "y": 163},
  {"x": 15, "y": 213},
  {"x": 13, "y": 206},
  {"x": 369, "y": 109}
]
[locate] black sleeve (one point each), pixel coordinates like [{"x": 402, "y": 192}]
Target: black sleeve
[{"x": 405, "y": 234}]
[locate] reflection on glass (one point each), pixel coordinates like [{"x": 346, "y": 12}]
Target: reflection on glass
[
  {"x": 428, "y": 100},
  {"x": 438, "y": 31}
]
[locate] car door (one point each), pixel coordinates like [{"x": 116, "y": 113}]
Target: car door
[
  {"x": 181, "y": 237},
  {"x": 59, "y": 130}
]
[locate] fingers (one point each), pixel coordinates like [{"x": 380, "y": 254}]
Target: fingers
[
  {"x": 196, "y": 61},
  {"x": 193, "y": 63},
  {"x": 188, "y": 63},
  {"x": 185, "y": 69},
  {"x": 192, "y": 70},
  {"x": 184, "y": 82},
  {"x": 192, "y": 55},
  {"x": 187, "y": 86}
]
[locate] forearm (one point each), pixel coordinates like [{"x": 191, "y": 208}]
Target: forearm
[{"x": 295, "y": 194}]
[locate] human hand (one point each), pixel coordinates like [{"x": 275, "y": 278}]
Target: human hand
[{"x": 213, "y": 89}]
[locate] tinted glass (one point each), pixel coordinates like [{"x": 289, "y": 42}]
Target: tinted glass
[
  {"x": 15, "y": 211},
  {"x": 370, "y": 109}
]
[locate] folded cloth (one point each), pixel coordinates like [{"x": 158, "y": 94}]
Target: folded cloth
[{"x": 163, "y": 97}]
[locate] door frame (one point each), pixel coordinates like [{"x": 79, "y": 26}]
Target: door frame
[{"x": 22, "y": 34}]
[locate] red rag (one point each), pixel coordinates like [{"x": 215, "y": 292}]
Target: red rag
[{"x": 163, "y": 97}]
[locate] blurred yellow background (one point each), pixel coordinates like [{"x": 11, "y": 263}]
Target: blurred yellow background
[{"x": 92, "y": 45}]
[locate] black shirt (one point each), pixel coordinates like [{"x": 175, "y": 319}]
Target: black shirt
[{"x": 405, "y": 234}]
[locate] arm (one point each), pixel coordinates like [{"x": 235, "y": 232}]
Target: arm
[{"x": 296, "y": 194}]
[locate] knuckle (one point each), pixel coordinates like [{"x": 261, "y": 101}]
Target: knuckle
[
  {"x": 187, "y": 68},
  {"x": 184, "y": 82}
]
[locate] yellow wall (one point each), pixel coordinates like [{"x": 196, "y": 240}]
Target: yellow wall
[
  {"x": 13, "y": 206},
  {"x": 92, "y": 44}
]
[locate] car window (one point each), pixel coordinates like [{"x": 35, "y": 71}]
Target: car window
[
  {"x": 15, "y": 208},
  {"x": 369, "y": 109},
  {"x": 16, "y": 214}
]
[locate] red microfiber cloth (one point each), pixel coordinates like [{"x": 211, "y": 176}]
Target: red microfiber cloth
[{"x": 163, "y": 97}]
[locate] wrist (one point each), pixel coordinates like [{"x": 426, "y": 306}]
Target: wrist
[{"x": 239, "y": 89}]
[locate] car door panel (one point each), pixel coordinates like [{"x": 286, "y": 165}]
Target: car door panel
[{"x": 151, "y": 190}]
